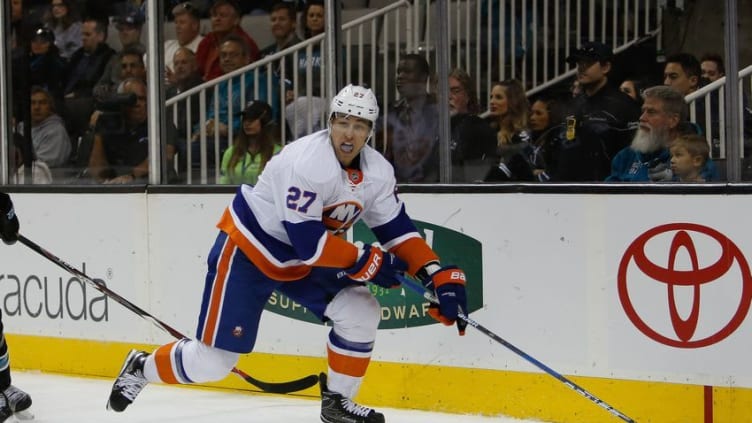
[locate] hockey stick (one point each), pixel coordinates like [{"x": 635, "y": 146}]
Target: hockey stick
[
  {"x": 271, "y": 387},
  {"x": 580, "y": 390}
]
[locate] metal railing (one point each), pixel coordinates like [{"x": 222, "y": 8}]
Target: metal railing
[
  {"x": 368, "y": 39},
  {"x": 707, "y": 109},
  {"x": 530, "y": 40},
  {"x": 531, "y": 46}
]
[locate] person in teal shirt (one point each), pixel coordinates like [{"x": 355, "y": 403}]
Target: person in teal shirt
[{"x": 254, "y": 145}]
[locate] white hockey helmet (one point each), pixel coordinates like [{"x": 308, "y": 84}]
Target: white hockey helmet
[{"x": 355, "y": 100}]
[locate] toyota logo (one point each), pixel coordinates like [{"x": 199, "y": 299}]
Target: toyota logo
[{"x": 666, "y": 257}]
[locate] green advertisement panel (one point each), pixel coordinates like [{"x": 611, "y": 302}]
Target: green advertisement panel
[{"x": 401, "y": 307}]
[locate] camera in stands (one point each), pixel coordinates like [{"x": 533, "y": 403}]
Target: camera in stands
[{"x": 112, "y": 118}]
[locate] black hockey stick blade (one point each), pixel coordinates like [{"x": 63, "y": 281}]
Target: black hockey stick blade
[
  {"x": 279, "y": 387},
  {"x": 271, "y": 387},
  {"x": 420, "y": 290}
]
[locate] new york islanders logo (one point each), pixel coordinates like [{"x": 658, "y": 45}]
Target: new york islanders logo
[{"x": 340, "y": 217}]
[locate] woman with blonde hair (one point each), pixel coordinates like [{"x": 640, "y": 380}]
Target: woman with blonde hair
[
  {"x": 508, "y": 111},
  {"x": 254, "y": 146}
]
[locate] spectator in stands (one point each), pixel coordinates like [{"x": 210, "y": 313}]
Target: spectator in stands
[
  {"x": 186, "y": 76},
  {"x": 575, "y": 89},
  {"x": 283, "y": 27},
  {"x": 508, "y": 111},
  {"x": 312, "y": 19},
  {"x": 689, "y": 154},
  {"x": 648, "y": 158},
  {"x": 633, "y": 87},
  {"x": 131, "y": 62},
  {"x": 254, "y": 145},
  {"x": 233, "y": 55},
  {"x": 412, "y": 129},
  {"x": 129, "y": 32},
  {"x": 711, "y": 66},
  {"x": 309, "y": 104},
  {"x": 547, "y": 131},
  {"x": 46, "y": 65},
  {"x": 48, "y": 135},
  {"x": 600, "y": 125},
  {"x": 23, "y": 25},
  {"x": 121, "y": 156},
  {"x": 473, "y": 141},
  {"x": 63, "y": 19},
  {"x": 82, "y": 72},
  {"x": 682, "y": 72},
  {"x": 188, "y": 33},
  {"x": 225, "y": 20}
]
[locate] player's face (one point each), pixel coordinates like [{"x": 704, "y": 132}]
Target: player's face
[{"x": 349, "y": 135}]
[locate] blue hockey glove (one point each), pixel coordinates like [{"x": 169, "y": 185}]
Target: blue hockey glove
[
  {"x": 377, "y": 266},
  {"x": 8, "y": 220},
  {"x": 449, "y": 284}
]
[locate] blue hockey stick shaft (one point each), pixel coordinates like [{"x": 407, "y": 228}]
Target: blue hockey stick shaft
[{"x": 415, "y": 286}]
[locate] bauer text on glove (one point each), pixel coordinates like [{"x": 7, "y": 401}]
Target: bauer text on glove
[
  {"x": 449, "y": 284},
  {"x": 377, "y": 266}
]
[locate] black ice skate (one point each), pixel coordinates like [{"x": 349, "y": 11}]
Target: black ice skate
[
  {"x": 337, "y": 409},
  {"x": 5, "y": 411},
  {"x": 18, "y": 400},
  {"x": 129, "y": 382}
]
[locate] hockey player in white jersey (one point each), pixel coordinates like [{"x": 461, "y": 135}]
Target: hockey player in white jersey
[
  {"x": 12, "y": 400},
  {"x": 284, "y": 234}
]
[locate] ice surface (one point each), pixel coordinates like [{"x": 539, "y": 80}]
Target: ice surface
[{"x": 60, "y": 399}]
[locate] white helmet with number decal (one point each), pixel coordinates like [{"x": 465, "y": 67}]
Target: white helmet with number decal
[{"x": 358, "y": 101}]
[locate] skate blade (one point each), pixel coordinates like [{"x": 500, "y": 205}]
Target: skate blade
[{"x": 23, "y": 415}]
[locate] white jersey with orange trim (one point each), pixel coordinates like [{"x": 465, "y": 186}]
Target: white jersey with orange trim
[{"x": 304, "y": 198}]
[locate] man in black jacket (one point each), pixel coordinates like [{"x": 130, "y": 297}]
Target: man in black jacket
[
  {"x": 603, "y": 119},
  {"x": 84, "y": 69},
  {"x": 12, "y": 399}
]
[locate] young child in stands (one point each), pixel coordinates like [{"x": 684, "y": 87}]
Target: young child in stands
[{"x": 689, "y": 153}]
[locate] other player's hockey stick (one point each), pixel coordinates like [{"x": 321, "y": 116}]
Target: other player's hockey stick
[
  {"x": 432, "y": 299},
  {"x": 272, "y": 387}
]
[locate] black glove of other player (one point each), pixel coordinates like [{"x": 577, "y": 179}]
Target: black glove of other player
[
  {"x": 8, "y": 220},
  {"x": 377, "y": 266}
]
